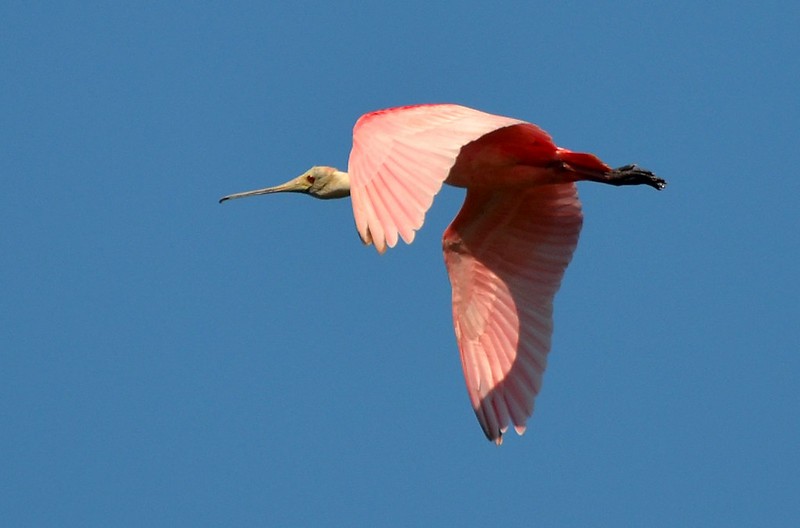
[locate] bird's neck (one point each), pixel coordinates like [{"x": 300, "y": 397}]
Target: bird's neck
[{"x": 338, "y": 186}]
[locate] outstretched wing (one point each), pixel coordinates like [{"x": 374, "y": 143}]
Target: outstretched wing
[
  {"x": 400, "y": 158},
  {"x": 506, "y": 253}
]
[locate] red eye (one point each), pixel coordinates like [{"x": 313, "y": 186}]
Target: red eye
[{"x": 311, "y": 179}]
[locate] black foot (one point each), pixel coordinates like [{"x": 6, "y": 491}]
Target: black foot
[{"x": 633, "y": 175}]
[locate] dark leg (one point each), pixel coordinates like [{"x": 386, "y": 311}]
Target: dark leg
[{"x": 632, "y": 175}]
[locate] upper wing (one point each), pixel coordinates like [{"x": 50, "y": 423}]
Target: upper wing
[
  {"x": 506, "y": 253},
  {"x": 400, "y": 158}
]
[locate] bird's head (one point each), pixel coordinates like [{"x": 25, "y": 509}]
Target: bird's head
[{"x": 319, "y": 182}]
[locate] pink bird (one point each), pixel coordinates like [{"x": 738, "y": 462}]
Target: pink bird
[{"x": 508, "y": 247}]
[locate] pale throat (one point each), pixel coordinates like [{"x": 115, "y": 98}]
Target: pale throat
[{"x": 338, "y": 186}]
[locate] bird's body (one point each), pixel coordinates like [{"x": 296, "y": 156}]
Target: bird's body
[{"x": 508, "y": 247}]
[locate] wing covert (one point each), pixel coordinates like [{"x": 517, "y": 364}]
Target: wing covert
[{"x": 400, "y": 158}]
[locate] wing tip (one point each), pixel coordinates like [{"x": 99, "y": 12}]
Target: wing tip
[
  {"x": 380, "y": 245},
  {"x": 366, "y": 237},
  {"x": 498, "y": 437}
]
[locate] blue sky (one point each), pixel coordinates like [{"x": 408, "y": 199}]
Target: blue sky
[{"x": 169, "y": 361}]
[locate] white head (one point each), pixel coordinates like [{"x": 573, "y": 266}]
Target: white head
[{"x": 319, "y": 182}]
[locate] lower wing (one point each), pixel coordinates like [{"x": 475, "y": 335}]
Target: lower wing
[{"x": 506, "y": 253}]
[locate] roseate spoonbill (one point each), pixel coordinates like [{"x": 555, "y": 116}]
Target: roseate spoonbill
[{"x": 506, "y": 250}]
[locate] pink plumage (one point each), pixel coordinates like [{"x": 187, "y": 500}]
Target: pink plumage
[
  {"x": 505, "y": 252},
  {"x": 508, "y": 247},
  {"x": 400, "y": 159}
]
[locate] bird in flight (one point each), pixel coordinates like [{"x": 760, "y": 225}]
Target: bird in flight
[{"x": 507, "y": 249}]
